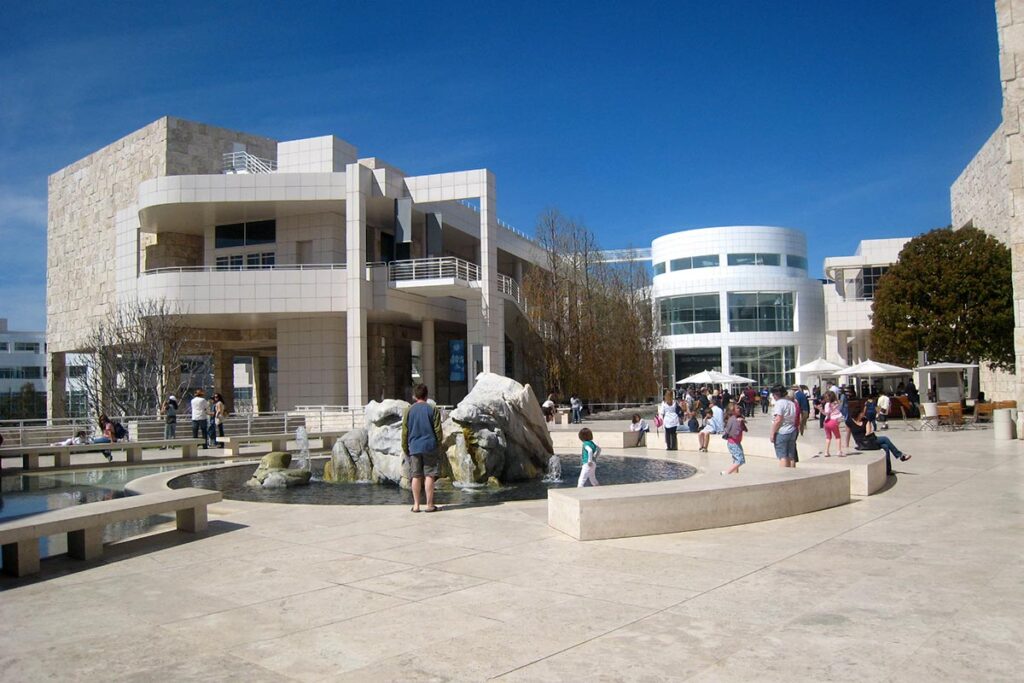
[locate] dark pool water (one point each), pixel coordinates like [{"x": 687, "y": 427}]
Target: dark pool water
[{"x": 610, "y": 470}]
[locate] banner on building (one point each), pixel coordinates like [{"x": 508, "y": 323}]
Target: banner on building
[{"x": 457, "y": 360}]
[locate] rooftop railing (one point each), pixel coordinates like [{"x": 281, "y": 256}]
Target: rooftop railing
[
  {"x": 244, "y": 267},
  {"x": 243, "y": 162}
]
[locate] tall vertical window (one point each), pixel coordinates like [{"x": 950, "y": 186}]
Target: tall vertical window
[
  {"x": 766, "y": 365},
  {"x": 690, "y": 314},
  {"x": 760, "y": 311}
]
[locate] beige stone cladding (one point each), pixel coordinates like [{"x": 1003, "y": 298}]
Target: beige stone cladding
[
  {"x": 311, "y": 367},
  {"x": 84, "y": 199},
  {"x": 980, "y": 197}
]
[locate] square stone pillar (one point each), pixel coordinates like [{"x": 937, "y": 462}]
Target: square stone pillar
[
  {"x": 428, "y": 356},
  {"x": 357, "y": 179},
  {"x": 224, "y": 376},
  {"x": 261, "y": 385},
  {"x": 56, "y": 386},
  {"x": 491, "y": 303}
]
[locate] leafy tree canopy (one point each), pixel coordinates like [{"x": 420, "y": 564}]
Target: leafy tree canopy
[{"x": 950, "y": 294}]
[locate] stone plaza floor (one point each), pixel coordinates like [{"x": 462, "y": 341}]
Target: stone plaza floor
[{"x": 923, "y": 581}]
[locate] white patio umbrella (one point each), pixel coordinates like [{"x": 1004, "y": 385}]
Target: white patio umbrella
[
  {"x": 872, "y": 368},
  {"x": 714, "y": 377},
  {"x": 818, "y": 367}
]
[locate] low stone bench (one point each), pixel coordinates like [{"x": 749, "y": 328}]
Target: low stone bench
[
  {"x": 700, "y": 502},
  {"x": 84, "y": 524},
  {"x": 564, "y": 438},
  {"x": 62, "y": 454},
  {"x": 278, "y": 442},
  {"x": 867, "y": 468}
]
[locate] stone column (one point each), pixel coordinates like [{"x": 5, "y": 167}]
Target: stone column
[
  {"x": 261, "y": 384},
  {"x": 1010, "y": 19},
  {"x": 428, "y": 356},
  {"x": 357, "y": 178},
  {"x": 224, "y": 375},
  {"x": 491, "y": 304},
  {"x": 474, "y": 341},
  {"x": 56, "y": 386}
]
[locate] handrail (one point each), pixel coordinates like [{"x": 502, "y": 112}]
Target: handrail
[
  {"x": 433, "y": 268},
  {"x": 510, "y": 228},
  {"x": 243, "y": 267},
  {"x": 243, "y": 162},
  {"x": 510, "y": 287}
]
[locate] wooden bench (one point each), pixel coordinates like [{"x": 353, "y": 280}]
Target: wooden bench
[
  {"x": 278, "y": 442},
  {"x": 84, "y": 524},
  {"x": 62, "y": 454}
]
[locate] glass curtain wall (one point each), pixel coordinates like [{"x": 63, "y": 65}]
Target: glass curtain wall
[
  {"x": 690, "y": 314},
  {"x": 760, "y": 311},
  {"x": 767, "y": 365}
]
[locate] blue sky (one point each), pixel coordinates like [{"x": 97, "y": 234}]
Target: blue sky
[{"x": 848, "y": 120}]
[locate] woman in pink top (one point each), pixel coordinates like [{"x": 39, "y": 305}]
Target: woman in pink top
[{"x": 833, "y": 416}]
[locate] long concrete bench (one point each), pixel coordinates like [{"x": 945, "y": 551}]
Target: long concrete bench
[
  {"x": 867, "y": 468},
  {"x": 278, "y": 442},
  {"x": 701, "y": 502},
  {"x": 62, "y": 454},
  {"x": 564, "y": 438},
  {"x": 84, "y": 524}
]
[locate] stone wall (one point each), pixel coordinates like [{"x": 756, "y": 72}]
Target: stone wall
[
  {"x": 981, "y": 195},
  {"x": 172, "y": 250},
  {"x": 85, "y": 197}
]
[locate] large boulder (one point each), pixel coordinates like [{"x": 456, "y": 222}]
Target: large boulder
[
  {"x": 499, "y": 431},
  {"x": 496, "y": 433},
  {"x": 273, "y": 472}
]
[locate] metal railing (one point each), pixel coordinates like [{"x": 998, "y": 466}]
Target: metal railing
[
  {"x": 516, "y": 231},
  {"x": 243, "y": 162},
  {"x": 243, "y": 267},
  {"x": 509, "y": 287},
  {"x": 433, "y": 269}
]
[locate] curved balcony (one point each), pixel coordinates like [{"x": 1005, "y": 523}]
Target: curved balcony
[{"x": 306, "y": 288}]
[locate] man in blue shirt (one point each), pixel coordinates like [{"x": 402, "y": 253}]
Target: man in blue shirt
[
  {"x": 421, "y": 436},
  {"x": 804, "y": 403}
]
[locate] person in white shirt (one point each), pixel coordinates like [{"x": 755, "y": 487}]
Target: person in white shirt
[
  {"x": 783, "y": 432},
  {"x": 716, "y": 425},
  {"x": 200, "y": 406},
  {"x": 884, "y": 404},
  {"x": 668, "y": 411}
]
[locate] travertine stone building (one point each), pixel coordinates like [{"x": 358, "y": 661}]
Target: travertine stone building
[
  {"x": 357, "y": 278},
  {"x": 989, "y": 194}
]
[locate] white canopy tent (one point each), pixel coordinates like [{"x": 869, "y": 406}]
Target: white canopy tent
[
  {"x": 819, "y": 367},
  {"x": 949, "y": 380}
]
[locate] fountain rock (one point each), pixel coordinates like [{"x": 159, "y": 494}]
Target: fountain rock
[
  {"x": 273, "y": 472},
  {"x": 497, "y": 433}
]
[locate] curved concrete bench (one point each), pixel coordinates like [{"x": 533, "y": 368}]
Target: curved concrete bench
[
  {"x": 866, "y": 468},
  {"x": 700, "y": 502}
]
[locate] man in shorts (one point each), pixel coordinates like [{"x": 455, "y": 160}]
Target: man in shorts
[
  {"x": 421, "y": 436},
  {"x": 783, "y": 432}
]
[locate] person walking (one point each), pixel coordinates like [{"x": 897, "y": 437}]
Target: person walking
[
  {"x": 734, "y": 429},
  {"x": 805, "y": 405},
  {"x": 200, "y": 406},
  {"x": 421, "y": 436},
  {"x": 668, "y": 411},
  {"x": 884, "y": 404},
  {"x": 588, "y": 459},
  {"x": 170, "y": 412},
  {"x": 832, "y": 414},
  {"x": 577, "y": 409},
  {"x": 764, "y": 400},
  {"x": 783, "y": 431}
]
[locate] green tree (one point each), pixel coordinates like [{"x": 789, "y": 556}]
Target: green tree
[{"x": 950, "y": 294}]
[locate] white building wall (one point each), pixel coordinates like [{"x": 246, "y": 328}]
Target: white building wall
[{"x": 809, "y": 321}]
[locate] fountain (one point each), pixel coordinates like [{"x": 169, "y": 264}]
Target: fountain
[
  {"x": 554, "y": 475},
  {"x": 302, "y": 440}
]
